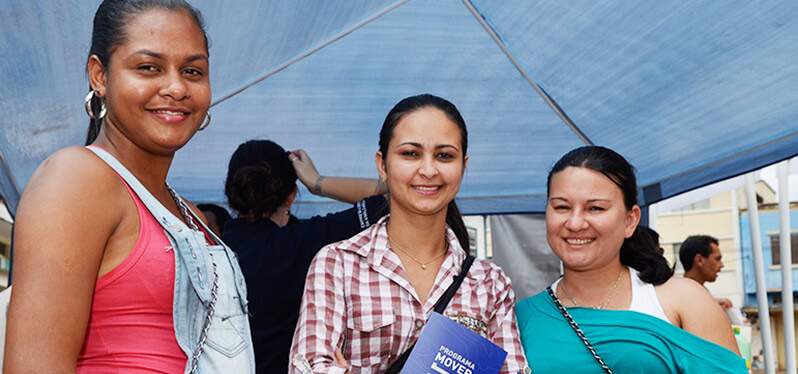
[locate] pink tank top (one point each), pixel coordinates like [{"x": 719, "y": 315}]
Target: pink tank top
[{"x": 130, "y": 327}]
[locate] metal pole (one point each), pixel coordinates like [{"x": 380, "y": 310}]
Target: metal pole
[
  {"x": 759, "y": 270},
  {"x": 786, "y": 266},
  {"x": 9, "y": 189}
]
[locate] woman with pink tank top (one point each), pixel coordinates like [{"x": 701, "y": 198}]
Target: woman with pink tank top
[
  {"x": 114, "y": 271},
  {"x": 119, "y": 335}
]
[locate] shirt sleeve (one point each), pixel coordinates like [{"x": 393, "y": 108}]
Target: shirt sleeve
[
  {"x": 503, "y": 329},
  {"x": 322, "y": 317}
]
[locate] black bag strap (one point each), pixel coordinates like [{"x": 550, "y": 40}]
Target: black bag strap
[
  {"x": 578, "y": 331},
  {"x": 440, "y": 306}
]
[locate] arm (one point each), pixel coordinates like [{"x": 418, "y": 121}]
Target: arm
[
  {"x": 502, "y": 329},
  {"x": 724, "y": 302},
  {"x": 322, "y": 317},
  {"x": 697, "y": 311},
  {"x": 312, "y": 234},
  {"x": 348, "y": 190},
  {"x": 60, "y": 237}
]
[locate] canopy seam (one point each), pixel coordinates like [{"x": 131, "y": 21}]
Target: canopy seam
[
  {"x": 540, "y": 91},
  {"x": 309, "y": 52}
]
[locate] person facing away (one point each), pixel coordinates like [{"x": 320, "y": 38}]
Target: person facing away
[
  {"x": 216, "y": 216},
  {"x": 367, "y": 298},
  {"x": 114, "y": 271},
  {"x": 617, "y": 306},
  {"x": 702, "y": 261},
  {"x": 274, "y": 247}
]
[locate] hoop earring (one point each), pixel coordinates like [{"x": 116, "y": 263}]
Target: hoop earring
[
  {"x": 87, "y": 106},
  {"x": 206, "y": 122}
]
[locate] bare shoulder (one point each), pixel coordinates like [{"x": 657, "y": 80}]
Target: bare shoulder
[
  {"x": 72, "y": 188},
  {"x": 72, "y": 174},
  {"x": 682, "y": 288},
  {"x": 696, "y": 310}
]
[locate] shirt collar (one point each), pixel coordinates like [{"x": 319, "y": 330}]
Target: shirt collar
[{"x": 377, "y": 246}]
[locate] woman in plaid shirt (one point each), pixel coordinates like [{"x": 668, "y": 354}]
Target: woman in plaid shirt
[{"x": 367, "y": 298}]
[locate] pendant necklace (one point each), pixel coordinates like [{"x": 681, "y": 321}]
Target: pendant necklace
[{"x": 421, "y": 263}]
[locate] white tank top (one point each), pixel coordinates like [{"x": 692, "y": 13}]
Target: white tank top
[{"x": 644, "y": 297}]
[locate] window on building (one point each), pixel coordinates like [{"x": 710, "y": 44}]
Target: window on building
[
  {"x": 698, "y": 205},
  {"x": 675, "y": 257},
  {"x": 4, "y": 256},
  {"x": 775, "y": 248}
]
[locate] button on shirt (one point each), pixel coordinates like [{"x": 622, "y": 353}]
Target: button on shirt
[{"x": 358, "y": 299}]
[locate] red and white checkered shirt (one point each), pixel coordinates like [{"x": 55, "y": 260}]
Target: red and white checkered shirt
[{"x": 358, "y": 298}]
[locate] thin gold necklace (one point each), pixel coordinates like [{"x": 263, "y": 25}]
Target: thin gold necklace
[
  {"x": 422, "y": 264},
  {"x": 606, "y": 301}
]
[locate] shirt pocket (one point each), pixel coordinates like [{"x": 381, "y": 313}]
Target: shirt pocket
[
  {"x": 369, "y": 339},
  {"x": 228, "y": 333}
]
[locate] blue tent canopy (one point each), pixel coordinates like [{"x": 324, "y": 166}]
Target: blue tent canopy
[{"x": 690, "y": 92}]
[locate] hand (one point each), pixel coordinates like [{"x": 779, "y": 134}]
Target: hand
[
  {"x": 724, "y": 302},
  {"x": 304, "y": 168},
  {"x": 340, "y": 360}
]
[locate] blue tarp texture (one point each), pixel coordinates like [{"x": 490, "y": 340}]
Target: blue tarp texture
[{"x": 691, "y": 92}]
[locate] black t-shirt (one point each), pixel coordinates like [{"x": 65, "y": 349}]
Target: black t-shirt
[{"x": 275, "y": 261}]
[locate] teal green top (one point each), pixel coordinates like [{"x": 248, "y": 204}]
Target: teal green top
[{"x": 629, "y": 342}]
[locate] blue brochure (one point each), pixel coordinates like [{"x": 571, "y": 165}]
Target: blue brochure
[{"x": 447, "y": 347}]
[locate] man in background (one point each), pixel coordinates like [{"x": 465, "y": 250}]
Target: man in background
[{"x": 702, "y": 261}]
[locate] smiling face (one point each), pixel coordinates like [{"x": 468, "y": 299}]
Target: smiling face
[
  {"x": 424, "y": 163},
  {"x": 586, "y": 219},
  {"x": 156, "y": 87}
]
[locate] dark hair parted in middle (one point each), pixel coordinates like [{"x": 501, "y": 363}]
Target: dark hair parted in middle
[
  {"x": 636, "y": 251},
  {"x": 260, "y": 177},
  {"x": 109, "y": 31},
  {"x": 409, "y": 105}
]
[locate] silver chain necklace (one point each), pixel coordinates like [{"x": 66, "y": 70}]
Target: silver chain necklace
[{"x": 184, "y": 212}]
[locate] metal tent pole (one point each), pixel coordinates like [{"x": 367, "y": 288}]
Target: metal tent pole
[
  {"x": 759, "y": 270},
  {"x": 786, "y": 266}
]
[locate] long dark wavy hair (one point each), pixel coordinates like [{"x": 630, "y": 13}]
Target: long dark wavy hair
[
  {"x": 409, "y": 105},
  {"x": 637, "y": 251},
  {"x": 109, "y": 31}
]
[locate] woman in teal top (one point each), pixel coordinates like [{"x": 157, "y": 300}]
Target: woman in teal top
[{"x": 618, "y": 291}]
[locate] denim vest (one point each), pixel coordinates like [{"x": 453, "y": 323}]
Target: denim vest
[{"x": 228, "y": 347}]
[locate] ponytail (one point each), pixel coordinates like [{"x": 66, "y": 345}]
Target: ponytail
[
  {"x": 641, "y": 253},
  {"x": 455, "y": 220},
  {"x": 94, "y": 130}
]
